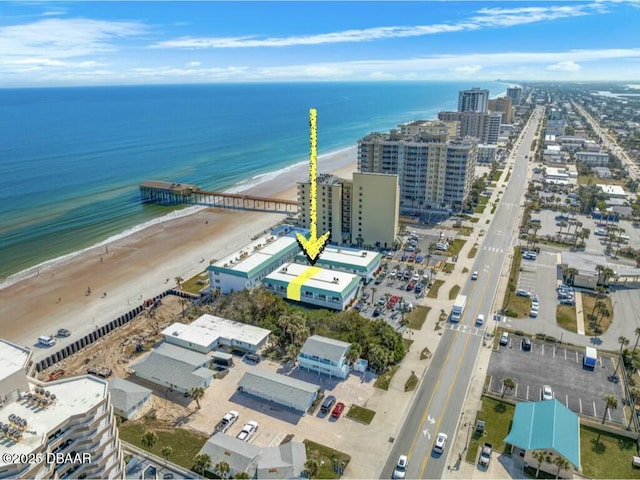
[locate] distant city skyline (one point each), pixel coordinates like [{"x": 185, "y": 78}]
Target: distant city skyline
[{"x": 95, "y": 43}]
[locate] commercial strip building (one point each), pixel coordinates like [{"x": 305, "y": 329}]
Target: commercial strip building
[
  {"x": 245, "y": 268},
  {"x": 362, "y": 211},
  {"x": 545, "y": 425},
  {"x": 175, "y": 368},
  {"x": 209, "y": 332},
  {"x": 128, "y": 398},
  {"x": 325, "y": 355},
  {"x": 435, "y": 172},
  {"x": 72, "y": 415},
  {"x": 313, "y": 285},
  {"x": 285, "y": 461},
  {"x": 358, "y": 262},
  {"x": 281, "y": 389}
]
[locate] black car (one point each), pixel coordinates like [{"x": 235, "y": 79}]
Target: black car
[
  {"x": 376, "y": 312},
  {"x": 526, "y": 344},
  {"x": 253, "y": 357}
]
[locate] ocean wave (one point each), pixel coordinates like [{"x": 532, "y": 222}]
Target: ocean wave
[{"x": 44, "y": 266}]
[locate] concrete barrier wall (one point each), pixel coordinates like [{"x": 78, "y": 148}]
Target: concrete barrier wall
[{"x": 101, "y": 331}]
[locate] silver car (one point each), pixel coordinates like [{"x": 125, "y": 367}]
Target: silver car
[{"x": 401, "y": 467}]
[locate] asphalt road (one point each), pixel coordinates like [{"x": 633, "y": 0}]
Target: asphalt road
[{"x": 438, "y": 403}]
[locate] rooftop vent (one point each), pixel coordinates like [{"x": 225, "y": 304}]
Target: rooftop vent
[{"x": 176, "y": 333}]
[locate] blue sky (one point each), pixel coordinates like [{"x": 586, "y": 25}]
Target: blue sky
[{"x": 95, "y": 43}]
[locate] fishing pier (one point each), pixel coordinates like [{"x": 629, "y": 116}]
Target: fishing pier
[{"x": 166, "y": 193}]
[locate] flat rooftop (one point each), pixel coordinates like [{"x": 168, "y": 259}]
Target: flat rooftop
[
  {"x": 206, "y": 329},
  {"x": 362, "y": 259},
  {"x": 314, "y": 277},
  {"x": 12, "y": 358},
  {"x": 73, "y": 396},
  {"x": 254, "y": 255}
]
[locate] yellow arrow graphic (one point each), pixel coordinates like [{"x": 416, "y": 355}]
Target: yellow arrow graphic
[{"x": 313, "y": 245}]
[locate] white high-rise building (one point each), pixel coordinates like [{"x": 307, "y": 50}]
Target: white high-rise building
[
  {"x": 435, "y": 172},
  {"x": 474, "y": 100},
  {"x": 60, "y": 429}
]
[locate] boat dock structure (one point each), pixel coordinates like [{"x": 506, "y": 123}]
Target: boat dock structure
[{"x": 166, "y": 193}]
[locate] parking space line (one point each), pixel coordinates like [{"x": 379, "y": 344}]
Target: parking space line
[
  {"x": 527, "y": 392},
  {"x": 577, "y": 360},
  {"x": 566, "y": 398},
  {"x": 543, "y": 349},
  {"x": 565, "y": 353},
  {"x": 554, "y": 351},
  {"x": 516, "y": 391},
  {"x": 580, "y": 400},
  {"x": 595, "y": 414}
]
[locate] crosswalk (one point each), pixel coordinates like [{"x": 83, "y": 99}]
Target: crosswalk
[
  {"x": 465, "y": 329},
  {"x": 493, "y": 249}
]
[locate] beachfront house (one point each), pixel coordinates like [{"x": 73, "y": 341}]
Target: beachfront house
[
  {"x": 128, "y": 398},
  {"x": 280, "y": 389},
  {"x": 325, "y": 355},
  {"x": 313, "y": 285}
]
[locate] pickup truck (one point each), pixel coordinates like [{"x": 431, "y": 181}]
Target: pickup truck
[
  {"x": 228, "y": 420},
  {"x": 485, "y": 455}
]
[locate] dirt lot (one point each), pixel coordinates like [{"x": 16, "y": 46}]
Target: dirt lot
[{"x": 116, "y": 349}]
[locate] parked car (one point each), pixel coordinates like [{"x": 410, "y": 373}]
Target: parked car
[
  {"x": 376, "y": 312},
  {"x": 480, "y": 320},
  {"x": 547, "y": 393},
  {"x": 533, "y": 313},
  {"x": 419, "y": 259},
  {"x": 337, "y": 410},
  {"x": 358, "y": 306},
  {"x": 521, "y": 292},
  {"x": 401, "y": 467},
  {"x": 46, "y": 341},
  {"x": 474, "y": 275},
  {"x": 247, "y": 431},
  {"x": 253, "y": 357},
  {"x": 440, "y": 443},
  {"x": 55, "y": 375},
  {"x": 568, "y": 301},
  {"x": 534, "y": 298},
  {"x": 63, "y": 332},
  {"x": 418, "y": 289},
  {"x": 328, "y": 403},
  {"x": 504, "y": 338},
  {"x": 526, "y": 344}
]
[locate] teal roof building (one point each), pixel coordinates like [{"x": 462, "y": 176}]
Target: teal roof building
[{"x": 546, "y": 425}]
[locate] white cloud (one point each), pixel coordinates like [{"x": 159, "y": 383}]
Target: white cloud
[
  {"x": 467, "y": 69},
  {"x": 64, "y": 38},
  {"x": 484, "y": 18},
  {"x": 194, "y": 64},
  {"x": 565, "y": 66}
]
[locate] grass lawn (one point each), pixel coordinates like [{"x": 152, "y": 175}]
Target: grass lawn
[
  {"x": 407, "y": 344},
  {"x": 411, "y": 383},
  {"x": 479, "y": 208},
  {"x": 185, "y": 443},
  {"x": 512, "y": 305},
  {"x": 493, "y": 209},
  {"x": 417, "y": 317},
  {"x": 466, "y": 231},
  {"x": 465, "y": 270},
  {"x": 472, "y": 253},
  {"x": 453, "y": 293},
  {"x": 383, "y": 381},
  {"x": 591, "y": 322},
  {"x": 196, "y": 283},
  {"x": 455, "y": 247},
  {"x": 604, "y": 455},
  {"x": 474, "y": 220},
  {"x": 586, "y": 179},
  {"x": 360, "y": 414},
  {"x": 433, "y": 291},
  {"x": 496, "y": 175},
  {"x": 566, "y": 317},
  {"x": 497, "y": 417},
  {"x": 325, "y": 457},
  {"x": 448, "y": 267},
  {"x": 426, "y": 353}
]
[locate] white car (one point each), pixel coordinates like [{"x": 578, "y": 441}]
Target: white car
[
  {"x": 547, "y": 393},
  {"x": 46, "y": 341},
  {"x": 441, "y": 442},
  {"x": 534, "y": 306},
  {"x": 247, "y": 431},
  {"x": 401, "y": 468},
  {"x": 504, "y": 338},
  {"x": 480, "y": 320},
  {"x": 474, "y": 276}
]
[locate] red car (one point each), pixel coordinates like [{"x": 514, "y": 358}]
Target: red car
[{"x": 337, "y": 410}]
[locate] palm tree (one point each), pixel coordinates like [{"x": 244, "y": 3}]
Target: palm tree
[
  {"x": 222, "y": 469},
  {"x": 540, "y": 456},
  {"x": 597, "y": 306},
  {"x": 201, "y": 463},
  {"x": 610, "y": 402},
  {"x": 166, "y": 453},
  {"x": 561, "y": 463},
  {"x": 637, "y": 332},
  {"x": 604, "y": 313},
  {"x": 179, "y": 281},
  {"x": 197, "y": 393},
  {"x": 562, "y": 225},
  {"x": 312, "y": 468},
  {"x": 149, "y": 439},
  {"x": 242, "y": 475},
  {"x": 623, "y": 341},
  {"x": 507, "y": 384}
]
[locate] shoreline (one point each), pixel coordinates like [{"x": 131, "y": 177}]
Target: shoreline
[
  {"x": 258, "y": 185},
  {"x": 124, "y": 272}
]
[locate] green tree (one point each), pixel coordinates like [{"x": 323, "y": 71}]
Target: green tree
[
  {"x": 166, "y": 453},
  {"x": 507, "y": 384},
  {"x": 637, "y": 332},
  {"x": 611, "y": 402},
  {"x": 312, "y": 467},
  {"x": 149, "y": 439},
  {"x": 540, "y": 456},
  {"x": 201, "y": 462},
  {"x": 197, "y": 393},
  {"x": 179, "y": 281},
  {"x": 623, "y": 341},
  {"x": 561, "y": 463},
  {"x": 242, "y": 476},
  {"x": 222, "y": 469}
]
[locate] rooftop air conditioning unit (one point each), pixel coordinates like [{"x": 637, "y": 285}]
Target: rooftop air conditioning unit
[{"x": 176, "y": 333}]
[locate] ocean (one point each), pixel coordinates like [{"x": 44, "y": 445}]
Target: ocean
[{"x": 71, "y": 159}]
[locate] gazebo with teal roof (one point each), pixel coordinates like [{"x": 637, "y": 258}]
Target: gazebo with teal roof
[{"x": 546, "y": 425}]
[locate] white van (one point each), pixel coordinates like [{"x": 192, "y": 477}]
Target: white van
[
  {"x": 47, "y": 341},
  {"x": 480, "y": 320}
]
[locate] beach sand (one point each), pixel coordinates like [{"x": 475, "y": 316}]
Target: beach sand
[{"x": 126, "y": 272}]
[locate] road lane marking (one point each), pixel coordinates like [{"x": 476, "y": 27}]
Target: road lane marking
[
  {"x": 580, "y": 400},
  {"x": 594, "y": 409}
]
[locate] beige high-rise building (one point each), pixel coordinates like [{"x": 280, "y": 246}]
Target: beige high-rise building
[
  {"x": 347, "y": 208},
  {"x": 65, "y": 428},
  {"x": 483, "y": 126},
  {"x": 502, "y": 105},
  {"x": 375, "y": 209}
]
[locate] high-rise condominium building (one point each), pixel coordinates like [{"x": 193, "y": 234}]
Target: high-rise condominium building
[
  {"x": 60, "y": 429},
  {"x": 474, "y": 100},
  {"x": 555, "y": 123},
  {"x": 434, "y": 171},
  {"x": 362, "y": 211},
  {"x": 515, "y": 94},
  {"x": 483, "y": 126},
  {"x": 502, "y": 105}
]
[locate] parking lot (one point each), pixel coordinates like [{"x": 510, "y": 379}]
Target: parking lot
[
  {"x": 561, "y": 368},
  {"x": 540, "y": 277}
]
